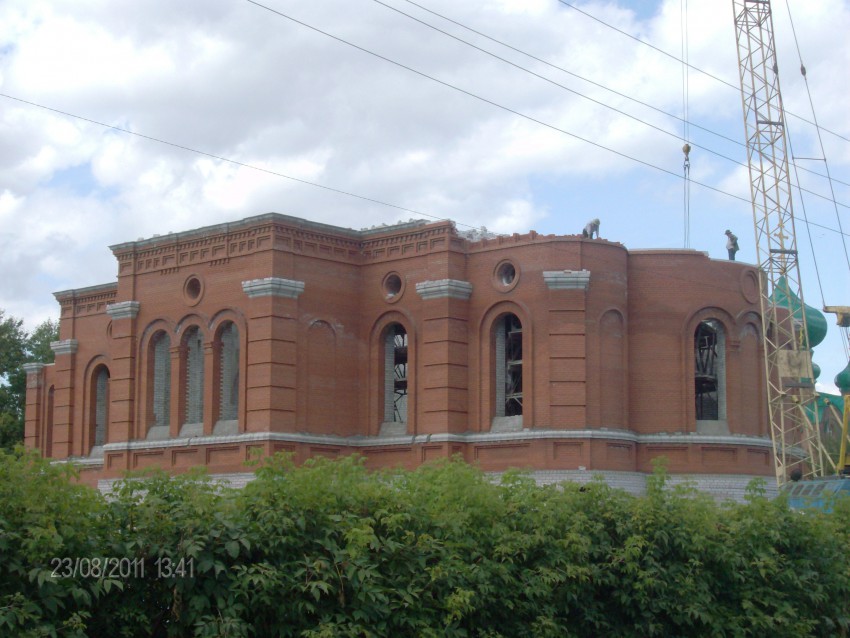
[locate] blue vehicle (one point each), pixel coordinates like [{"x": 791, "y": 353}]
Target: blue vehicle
[{"x": 818, "y": 493}]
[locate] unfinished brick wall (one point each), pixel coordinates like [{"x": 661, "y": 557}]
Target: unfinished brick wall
[{"x": 274, "y": 333}]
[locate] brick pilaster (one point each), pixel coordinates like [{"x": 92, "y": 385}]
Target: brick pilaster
[
  {"x": 122, "y": 379},
  {"x": 271, "y": 358},
  {"x": 35, "y": 399},
  {"x": 565, "y": 347},
  {"x": 65, "y": 444},
  {"x": 444, "y": 357}
]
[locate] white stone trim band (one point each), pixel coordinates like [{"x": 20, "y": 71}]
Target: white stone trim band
[
  {"x": 480, "y": 437},
  {"x": 32, "y": 368},
  {"x": 451, "y": 288},
  {"x": 67, "y": 346},
  {"x": 123, "y": 309},
  {"x": 567, "y": 279},
  {"x": 273, "y": 287}
]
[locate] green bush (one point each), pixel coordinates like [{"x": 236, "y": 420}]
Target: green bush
[{"x": 330, "y": 549}]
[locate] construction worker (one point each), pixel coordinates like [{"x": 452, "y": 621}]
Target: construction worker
[
  {"x": 731, "y": 244},
  {"x": 591, "y": 227}
]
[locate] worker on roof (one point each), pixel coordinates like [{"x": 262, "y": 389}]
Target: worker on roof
[
  {"x": 731, "y": 244},
  {"x": 591, "y": 227}
]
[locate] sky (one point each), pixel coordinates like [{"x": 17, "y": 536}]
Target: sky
[{"x": 564, "y": 116}]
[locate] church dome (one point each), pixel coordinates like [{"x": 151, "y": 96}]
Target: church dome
[
  {"x": 815, "y": 320},
  {"x": 842, "y": 379}
]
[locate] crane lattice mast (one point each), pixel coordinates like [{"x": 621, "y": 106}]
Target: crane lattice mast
[{"x": 788, "y": 363}]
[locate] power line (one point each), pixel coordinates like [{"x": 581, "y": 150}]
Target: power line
[
  {"x": 685, "y": 120},
  {"x": 561, "y": 86},
  {"x": 554, "y": 66},
  {"x": 227, "y": 159},
  {"x": 815, "y": 118},
  {"x": 500, "y": 106},
  {"x": 673, "y": 57},
  {"x": 307, "y": 182}
]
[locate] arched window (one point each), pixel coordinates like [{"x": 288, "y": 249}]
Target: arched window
[
  {"x": 710, "y": 371},
  {"x": 159, "y": 363},
  {"x": 395, "y": 374},
  {"x": 507, "y": 335},
  {"x": 99, "y": 407},
  {"x": 228, "y": 373},
  {"x": 194, "y": 383}
]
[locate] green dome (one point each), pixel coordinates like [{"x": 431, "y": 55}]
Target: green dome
[
  {"x": 842, "y": 379},
  {"x": 815, "y": 320},
  {"x": 815, "y": 369}
]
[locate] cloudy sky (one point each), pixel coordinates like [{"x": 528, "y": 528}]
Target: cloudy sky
[{"x": 391, "y": 101}]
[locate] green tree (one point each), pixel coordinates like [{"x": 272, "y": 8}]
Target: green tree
[
  {"x": 16, "y": 348},
  {"x": 330, "y": 549}
]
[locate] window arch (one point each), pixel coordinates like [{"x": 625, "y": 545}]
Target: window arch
[
  {"x": 194, "y": 380},
  {"x": 507, "y": 338},
  {"x": 228, "y": 372},
  {"x": 159, "y": 384},
  {"x": 710, "y": 371},
  {"x": 99, "y": 407},
  {"x": 396, "y": 380}
]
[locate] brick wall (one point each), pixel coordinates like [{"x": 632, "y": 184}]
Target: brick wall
[{"x": 283, "y": 329}]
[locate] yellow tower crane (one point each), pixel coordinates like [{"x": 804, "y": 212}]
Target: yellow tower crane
[{"x": 788, "y": 364}]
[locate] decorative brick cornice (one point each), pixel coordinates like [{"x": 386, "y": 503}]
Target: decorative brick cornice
[
  {"x": 452, "y": 288},
  {"x": 567, "y": 279},
  {"x": 123, "y": 309},
  {"x": 67, "y": 346},
  {"x": 273, "y": 286},
  {"x": 32, "y": 368}
]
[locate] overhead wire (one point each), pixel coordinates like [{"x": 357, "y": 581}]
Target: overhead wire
[
  {"x": 498, "y": 105},
  {"x": 685, "y": 123},
  {"x": 349, "y": 193},
  {"x": 817, "y": 128},
  {"x": 561, "y": 86},
  {"x": 339, "y": 191},
  {"x": 225, "y": 159},
  {"x": 844, "y": 332},
  {"x": 673, "y": 57},
  {"x": 582, "y": 78},
  {"x": 554, "y": 66}
]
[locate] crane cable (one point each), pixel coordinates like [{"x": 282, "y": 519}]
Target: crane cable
[
  {"x": 686, "y": 148},
  {"x": 845, "y": 338}
]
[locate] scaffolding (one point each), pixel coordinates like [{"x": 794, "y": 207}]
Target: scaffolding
[
  {"x": 513, "y": 366},
  {"x": 399, "y": 382},
  {"x": 706, "y": 377}
]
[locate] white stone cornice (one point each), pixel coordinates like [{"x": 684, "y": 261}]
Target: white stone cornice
[
  {"x": 32, "y": 368},
  {"x": 66, "y": 346},
  {"x": 123, "y": 309},
  {"x": 273, "y": 286},
  {"x": 451, "y": 288},
  {"x": 567, "y": 279},
  {"x": 468, "y": 437}
]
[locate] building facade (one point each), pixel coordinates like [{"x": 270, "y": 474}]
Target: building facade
[{"x": 558, "y": 354}]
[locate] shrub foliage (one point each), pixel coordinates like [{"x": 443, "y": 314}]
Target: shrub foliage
[{"x": 330, "y": 549}]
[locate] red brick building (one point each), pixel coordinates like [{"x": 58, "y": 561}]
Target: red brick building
[{"x": 563, "y": 355}]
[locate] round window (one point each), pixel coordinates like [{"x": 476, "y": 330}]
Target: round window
[
  {"x": 193, "y": 290},
  {"x": 393, "y": 286},
  {"x": 505, "y": 276}
]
